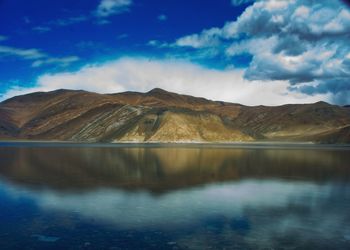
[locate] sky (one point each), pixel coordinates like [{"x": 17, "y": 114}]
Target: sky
[{"x": 263, "y": 52}]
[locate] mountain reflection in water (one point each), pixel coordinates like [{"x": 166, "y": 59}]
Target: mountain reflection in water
[
  {"x": 174, "y": 197},
  {"x": 163, "y": 169}
]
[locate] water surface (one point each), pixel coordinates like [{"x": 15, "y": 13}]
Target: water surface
[{"x": 70, "y": 196}]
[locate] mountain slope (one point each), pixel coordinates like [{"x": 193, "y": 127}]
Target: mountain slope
[{"x": 159, "y": 115}]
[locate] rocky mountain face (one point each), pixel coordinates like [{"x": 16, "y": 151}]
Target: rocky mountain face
[{"x": 161, "y": 116}]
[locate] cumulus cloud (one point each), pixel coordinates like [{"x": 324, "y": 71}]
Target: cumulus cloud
[
  {"x": 112, "y": 7},
  {"x": 296, "y": 41},
  {"x": 143, "y": 74},
  {"x": 38, "y": 57}
]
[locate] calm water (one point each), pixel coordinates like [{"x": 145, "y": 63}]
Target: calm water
[{"x": 149, "y": 197}]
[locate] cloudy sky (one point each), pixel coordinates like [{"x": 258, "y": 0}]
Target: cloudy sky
[{"x": 253, "y": 52}]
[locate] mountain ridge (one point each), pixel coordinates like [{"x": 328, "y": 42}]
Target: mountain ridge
[{"x": 162, "y": 116}]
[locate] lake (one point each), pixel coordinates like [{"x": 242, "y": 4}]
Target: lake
[{"x": 101, "y": 196}]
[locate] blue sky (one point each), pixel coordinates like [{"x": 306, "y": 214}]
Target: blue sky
[{"x": 253, "y": 52}]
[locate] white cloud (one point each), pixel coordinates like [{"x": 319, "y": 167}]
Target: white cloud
[
  {"x": 207, "y": 38},
  {"x": 63, "y": 61},
  {"x": 23, "y": 53},
  {"x": 38, "y": 57},
  {"x": 302, "y": 12},
  {"x": 143, "y": 74},
  {"x": 112, "y": 7},
  {"x": 296, "y": 41}
]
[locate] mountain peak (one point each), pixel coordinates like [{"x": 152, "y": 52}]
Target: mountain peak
[
  {"x": 322, "y": 103},
  {"x": 157, "y": 91}
]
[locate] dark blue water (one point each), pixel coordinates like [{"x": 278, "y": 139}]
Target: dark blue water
[{"x": 78, "y": 197}]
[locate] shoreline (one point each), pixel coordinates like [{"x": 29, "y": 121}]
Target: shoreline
[{"x": 184, "y": 144}]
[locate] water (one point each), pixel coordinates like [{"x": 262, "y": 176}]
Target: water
[{"x": 61, "y": 196}]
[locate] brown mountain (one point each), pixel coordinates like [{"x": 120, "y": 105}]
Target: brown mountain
[{"x": 158, "y": 115}]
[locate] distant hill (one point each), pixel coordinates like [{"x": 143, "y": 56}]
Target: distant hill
[{"x": 159, "y": 115}]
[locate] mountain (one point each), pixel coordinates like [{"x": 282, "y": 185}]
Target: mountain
[{"x": 159, "y": 115}]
